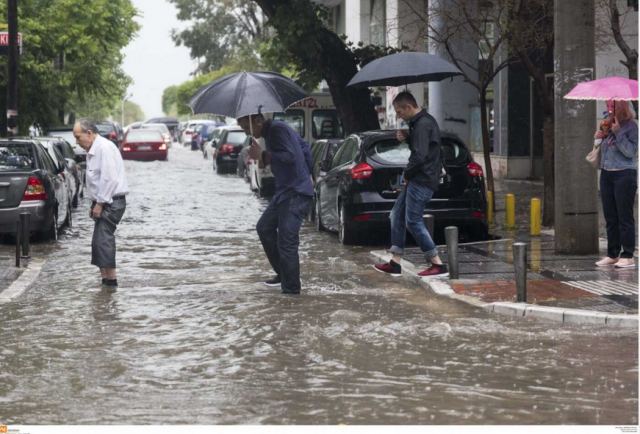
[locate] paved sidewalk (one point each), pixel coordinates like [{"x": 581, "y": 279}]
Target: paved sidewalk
[
  {"x": 8, "y": 271},
  {"x": 566, "y": 288}
]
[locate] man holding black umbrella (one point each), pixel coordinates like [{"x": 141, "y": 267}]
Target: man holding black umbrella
[
  {"x": 278, "y": 228},
  {"x": 421, "y": 178}
]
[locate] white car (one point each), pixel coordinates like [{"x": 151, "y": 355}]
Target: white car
[{"x": 260, "y": 179}]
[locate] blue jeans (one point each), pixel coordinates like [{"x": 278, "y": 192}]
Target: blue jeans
[
  {"x": 407, "y": 214},
  {"x": 618, "y": 193},
  {"x": 279, "y": 229}
]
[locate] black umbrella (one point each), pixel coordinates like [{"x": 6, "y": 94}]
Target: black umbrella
[
  {"x": 403, "y": 68},
  {"x": 247, "y": 93}
]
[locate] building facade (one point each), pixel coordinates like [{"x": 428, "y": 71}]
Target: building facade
[{"x": 514, "y": 114}]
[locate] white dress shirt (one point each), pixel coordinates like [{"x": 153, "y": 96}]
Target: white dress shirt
[{"x": 105, "y": 171}]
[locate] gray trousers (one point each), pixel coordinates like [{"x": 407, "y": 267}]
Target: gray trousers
[{"x": 103, "y": 244}]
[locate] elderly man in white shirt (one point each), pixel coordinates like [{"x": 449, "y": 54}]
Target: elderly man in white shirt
[{"x": 107, "y": 188}]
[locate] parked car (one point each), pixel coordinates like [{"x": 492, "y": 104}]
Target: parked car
[
  {"x": 243, "y": 159},
  {"x": 144, "y": 144},
  {"x": 260, "y": 177},
  {"x": 365, "y": 176},
  {"x": 188, "y": 131},
  {"x": 226, "y": 147},
  {"x": 111, "y": 131},
  {"x": 74, "y": 174},
  {"x": 322, "y": 153},
  {"x": 202, "y": 134},
  {"x": 66, "y": 132},
  {"x": 31, "y": 182}
]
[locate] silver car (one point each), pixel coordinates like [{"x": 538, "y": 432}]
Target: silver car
[{"x": 31, "y": 182}]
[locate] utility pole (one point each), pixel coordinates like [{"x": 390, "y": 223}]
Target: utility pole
[
  {"x": 576, "y": 193},
  {"x": 12, "y": 61}
]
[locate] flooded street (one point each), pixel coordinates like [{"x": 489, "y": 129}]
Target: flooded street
[{"x": 192, "y": 337}]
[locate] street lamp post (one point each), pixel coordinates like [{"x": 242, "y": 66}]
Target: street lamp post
[{"x": 126, "y": 98}]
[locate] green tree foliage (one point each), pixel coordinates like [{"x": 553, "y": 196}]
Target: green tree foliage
[
  {"x": 71, "y": 57},
  {"x": 220, "y": 30},
  {"x": 169, "y": 101}
]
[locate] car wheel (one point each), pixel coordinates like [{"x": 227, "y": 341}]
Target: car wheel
[
  {"x": 346, "y": 232},
  {"x": 318, "y": 217}
]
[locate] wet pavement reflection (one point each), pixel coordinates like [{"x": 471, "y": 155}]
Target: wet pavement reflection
[{"x": 190, "y": 337}]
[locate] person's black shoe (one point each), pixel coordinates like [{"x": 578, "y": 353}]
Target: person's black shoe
[{"x": 274, "y": 281}]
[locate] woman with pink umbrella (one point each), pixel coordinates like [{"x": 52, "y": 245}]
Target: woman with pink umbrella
[
  {"x": 618, "y": 183},
  {"x": 618, "y": 164}
]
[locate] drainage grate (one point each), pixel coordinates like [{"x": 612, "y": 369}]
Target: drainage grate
[{"x": 602, "y": 287}]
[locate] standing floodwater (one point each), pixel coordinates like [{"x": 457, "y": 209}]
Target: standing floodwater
[{"x": 191, "y": 338}]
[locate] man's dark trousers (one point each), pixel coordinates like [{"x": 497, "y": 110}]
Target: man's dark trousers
[{"x": 279, "y": 229}]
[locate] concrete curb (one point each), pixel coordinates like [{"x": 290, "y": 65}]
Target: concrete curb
[
  {"x": 28, "y": 276},
  {"x": 556, "y": 314}
]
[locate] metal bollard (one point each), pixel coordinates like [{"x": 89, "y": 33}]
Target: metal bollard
[
  {"x": 25, "y": 219},
  {"x": 490, "y": 207},
  {"x": 520, "y": 265},
  {"x": 18, "y": 233},
  {"x": 510, "y": 211},
  {"x": 536, "y": 217},
  {"x": 451, "y": 235},
  {"x": 429, "y": 222}
]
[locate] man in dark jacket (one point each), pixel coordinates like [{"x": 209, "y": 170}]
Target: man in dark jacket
[
  {"x": 278, "y": 228},
  {"x": 421, "y": 179}
]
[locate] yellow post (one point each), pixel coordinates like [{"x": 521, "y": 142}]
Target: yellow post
[
  {"x": 490, "y": 207},
  {"x": 536, "y": 217},
  {"x": 510, "y": 211}
]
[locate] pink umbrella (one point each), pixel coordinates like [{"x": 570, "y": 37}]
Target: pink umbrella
[{"x": 617, "y": 88}]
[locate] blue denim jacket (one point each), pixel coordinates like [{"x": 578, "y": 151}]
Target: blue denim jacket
[{"x": 620, "y": 151}]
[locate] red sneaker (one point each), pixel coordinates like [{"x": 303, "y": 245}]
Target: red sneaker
[
  {"x": 391, "y": 268},
  {"x": 436, "y": 270}
]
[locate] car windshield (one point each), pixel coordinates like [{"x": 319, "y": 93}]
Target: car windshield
[
  {"x": 236, "y": 137},
  {"x": 65, "y": 149},
  {"x": 144, "y": 135},
  {"x": 294, "y": 118},
  {"x": 390, "y": 151},
  {"x": 16, "y": 156}
]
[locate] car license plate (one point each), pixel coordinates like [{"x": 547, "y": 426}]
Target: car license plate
[{"x": 144, "y": 148}]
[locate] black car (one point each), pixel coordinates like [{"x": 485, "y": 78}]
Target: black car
[
  {"x": 66, "y": 132},
  {"x": 76, "y": 172},
  {"x": 31, "y": 182},
  {"x": 226, "y": 147},
  {"x": 364, "y": 178},
  {"x": 111, "y": 131}
]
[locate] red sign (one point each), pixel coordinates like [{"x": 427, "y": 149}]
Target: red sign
[{"x": 4, "y": 39}]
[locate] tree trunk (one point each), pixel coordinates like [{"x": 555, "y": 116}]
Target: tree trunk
[
  {"x": 331, "y": 57},
  {"x": 486, "y": 146}
]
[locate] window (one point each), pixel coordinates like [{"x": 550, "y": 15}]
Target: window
[
  {"x": 347, "y": 153},
  {"x": 235, "y": 137},
  {"x": 325, "y": 124},
  {"x": 16, "y": 156},
  {"x": 144, "y": 136},
  {"x": 377, "y": 25},
  {"x": 294, "y": 118},
  {"x": 390, "y": 151}
]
